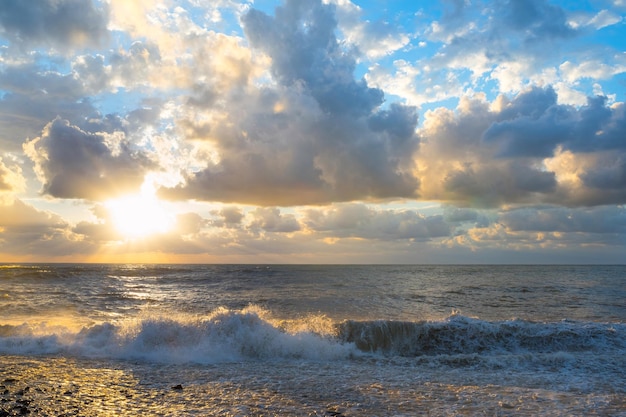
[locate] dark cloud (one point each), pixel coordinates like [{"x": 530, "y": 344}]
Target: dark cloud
[
  {"x": 398, "y": 122},
  {"x": 37, "y": 92},
  {"x": 270, "y": 219},
  {"x": 531, "y": 104},
  {"x": 34, "y": 96},
  {"x": 603, "y": 180},
  {"x": 73, "y": 163},
  {"x": 608, "y": 176},
  {"x": 522, "y": 23},
  {"x": 59, "y": 23},
  {"x": 317, "y": 136},
  {"x": 231, "y": 215},
  {"x": 492, "y": 186},
  {"x": 136, "y": 65},
  {"x": 301, "y": 42},
  {"x": 517, "y": 152},
  {"x": 460, "y": 215},
  {"x": 604, "y": 220},
  {"x": 535, "y": 20},
  {"x": 361, "y": 221},
  {"x": 96, "y": 232},
  {"x": 533, "y": 125},
  {"x": 91, "y": 71}
]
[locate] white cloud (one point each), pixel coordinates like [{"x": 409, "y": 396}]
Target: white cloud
[
  {"x": 374, "y": 39},
  {"x": 11, "y": 178},
  {"x": 593, "y": 69},
  {"x": 602, "y": 19}
]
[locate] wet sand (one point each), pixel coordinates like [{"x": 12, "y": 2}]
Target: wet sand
[{"x": 49, "y": 386}]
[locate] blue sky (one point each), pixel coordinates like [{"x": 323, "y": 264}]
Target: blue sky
[{"x": 313, "y": 131}]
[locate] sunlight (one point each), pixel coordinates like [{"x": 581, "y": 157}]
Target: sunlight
[{"x": 140, "y": 215}]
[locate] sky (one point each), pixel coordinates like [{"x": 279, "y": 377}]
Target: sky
[{"x": 313, "y": 131}]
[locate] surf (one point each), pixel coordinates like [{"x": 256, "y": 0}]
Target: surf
[{"x": 251, "y": 334}]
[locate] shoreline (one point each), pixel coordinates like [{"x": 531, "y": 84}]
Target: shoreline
[{"x": 62, "y": 386}]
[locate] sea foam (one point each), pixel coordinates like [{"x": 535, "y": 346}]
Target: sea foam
[{"x": 223, "y": 336}]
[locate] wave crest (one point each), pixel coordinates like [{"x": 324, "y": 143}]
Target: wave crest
[
  {"x": 251, "y": 334},
  {"x": 463, "y": 335},
  {"x": 223, "y": 336}
]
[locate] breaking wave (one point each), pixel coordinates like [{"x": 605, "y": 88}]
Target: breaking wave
[
  {"x": 463, "y": 335},
  {"x": 249, "y": 334}
]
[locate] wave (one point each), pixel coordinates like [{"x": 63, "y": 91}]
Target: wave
[
  {"x": 250, "y": 334},
  {"x": 463, "y": 335},
  {"x": 223, "y": 336}
]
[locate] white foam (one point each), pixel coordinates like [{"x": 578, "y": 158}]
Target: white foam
[
  {"x": 252, "y": 335},
  {"x": 222, "y": 336}
]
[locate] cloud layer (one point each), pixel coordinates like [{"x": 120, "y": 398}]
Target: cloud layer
[{"x": 314, "y": 129}]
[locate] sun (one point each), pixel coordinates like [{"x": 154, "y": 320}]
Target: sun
[{"x": 139, "y": 216}]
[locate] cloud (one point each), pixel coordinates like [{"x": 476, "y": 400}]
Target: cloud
[
  {"x": 270, "y": 219},
  {"x": 229, "y": 103},
  {"x": 603, "y": 220},
  {"x": 608, "y": 175},
  {"x": 496, "y": 243},
  {"x": 360, "y": 221},
  {"x": 229, "y": 217},
  {"x": 525, "y": 150},
  {"x": 301, "y": 43},
  {"x": 189, "y": 223},
  {"x": 549, "y": 233},
  {"x": 315, "y": 135},
  {"x": 602, "y": 19},
  {"x": 460, "y": 215},
  {"x": 535, "y": 20},
  {"x": 74, "y": 163},
  {"x": 26, "y": 230},
  {"x": 510, "y": 42},
  {"x": 186, "y": 229},
  {"x": 11, "y": 179},
  {"x": 419, "y": 83},
  {"x": 534, "y": 125},
  {"x": 96, "y": 233},
  {"x": 374, "y": 39},
  {"x": 34, "y": 96},
  {"x": 595, "y": 69},
  {"x": 58, "y": 23},
  {"x": 521, "y": 23},
  {"x": 139, "y": 65}
]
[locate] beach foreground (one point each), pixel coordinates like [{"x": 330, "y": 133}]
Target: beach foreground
[{"x": 60, "y": 386}]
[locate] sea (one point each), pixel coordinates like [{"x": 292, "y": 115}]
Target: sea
[{"x": 312, "y": 340}]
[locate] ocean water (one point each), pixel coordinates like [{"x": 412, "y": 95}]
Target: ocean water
[{"x": 305, "y": 340}]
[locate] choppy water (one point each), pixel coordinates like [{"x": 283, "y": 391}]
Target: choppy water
[{"x": 314, "y": 340}]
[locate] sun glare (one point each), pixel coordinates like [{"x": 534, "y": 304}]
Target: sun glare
[{"x": 139, "y": 216}]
